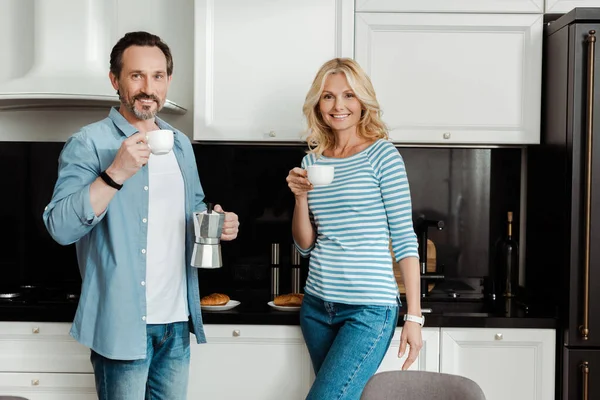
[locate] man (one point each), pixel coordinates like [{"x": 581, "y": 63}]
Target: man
[{"x": 130, "y": 214}]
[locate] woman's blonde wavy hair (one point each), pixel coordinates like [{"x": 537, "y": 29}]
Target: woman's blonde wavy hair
[{"x": 370, "y": 126}]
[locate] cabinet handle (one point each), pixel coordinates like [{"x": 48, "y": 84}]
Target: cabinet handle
[
  {"x": 585, "y": 370},
  {"x": 447, "y": 135},
  {"x": 237, "y": 333},
  {"x": 35, "y": 382},
  {"x": 272, "y": 134},
  {"x": 498, "y": 336},
  {"x": 584, "y": 329},
  {"x": 35, "y": 330}
]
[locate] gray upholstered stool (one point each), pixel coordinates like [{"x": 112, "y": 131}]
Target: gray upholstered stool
[{"x": 420, "y": 385}]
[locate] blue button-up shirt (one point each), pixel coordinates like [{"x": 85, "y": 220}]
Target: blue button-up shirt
[{"x": 111, "y": 248}]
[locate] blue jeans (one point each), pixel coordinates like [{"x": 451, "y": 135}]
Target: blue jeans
[
  {"x": 346, "y": 344},
  {"x": 162, "y": 375}
]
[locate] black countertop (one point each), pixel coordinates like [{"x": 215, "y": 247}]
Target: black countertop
[{"x": 460, "y": 314}]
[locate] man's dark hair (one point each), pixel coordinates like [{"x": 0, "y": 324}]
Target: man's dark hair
[{"x": 137, "y": 39}]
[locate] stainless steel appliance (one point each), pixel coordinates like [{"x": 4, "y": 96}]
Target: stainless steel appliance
[{"x": 208, "y": 226}]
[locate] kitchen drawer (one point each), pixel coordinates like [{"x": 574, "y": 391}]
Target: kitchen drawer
[
  {"x": 41, "y": 347},
  {"x": 36, "y": 386},
  {"x": 287, "y": 334}
]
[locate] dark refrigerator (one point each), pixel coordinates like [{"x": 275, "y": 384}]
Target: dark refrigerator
[{"x": 563, "y": 200}]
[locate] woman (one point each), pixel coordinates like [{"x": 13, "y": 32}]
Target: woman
[{"x": 351, "y": 301}]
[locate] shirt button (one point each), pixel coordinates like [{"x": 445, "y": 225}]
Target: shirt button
[
  {"x": 144, "y": 220},
  {"x": 46, "y": 208},
  {"x": 143, "y": 283},
  {"x": 145, "y": 187},
  {"x": 144, "y": 318},
  {"x": 143, "y": 251}
]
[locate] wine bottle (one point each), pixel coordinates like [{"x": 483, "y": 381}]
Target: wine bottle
[{"x": 509, "y": 260}]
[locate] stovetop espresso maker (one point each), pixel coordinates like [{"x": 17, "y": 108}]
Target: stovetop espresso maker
[{"x": 208, "y": 226}]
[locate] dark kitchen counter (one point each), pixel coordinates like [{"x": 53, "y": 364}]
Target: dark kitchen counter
[{"x": 460, "y": 314}]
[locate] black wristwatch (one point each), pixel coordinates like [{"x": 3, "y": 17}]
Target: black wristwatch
[{"x": 109, "y": 181}]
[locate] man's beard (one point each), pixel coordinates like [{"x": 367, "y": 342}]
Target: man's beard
[{"x": 143, "y": 114}]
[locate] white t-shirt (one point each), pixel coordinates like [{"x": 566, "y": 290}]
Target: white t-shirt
[{"x": 166, "y": 287}]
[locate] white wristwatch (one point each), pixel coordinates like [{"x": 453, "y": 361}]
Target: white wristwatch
[{"x": 414, "y": 318}]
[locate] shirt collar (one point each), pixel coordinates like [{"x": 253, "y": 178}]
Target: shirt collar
[
  {"x": 121, "y": 123},
  {"x": 124, "y": 126}
]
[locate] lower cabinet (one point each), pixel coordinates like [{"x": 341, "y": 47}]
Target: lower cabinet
[
  {"x": 40, "y": 361},
  {"x": 250, "y": 362},
  {"x": 429, "y": 356},
  {"x": 516, "y": 364},
  {"x": 48, "y": 386}
]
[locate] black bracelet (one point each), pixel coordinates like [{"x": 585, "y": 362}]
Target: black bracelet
[{"x": 109, "y": 181}]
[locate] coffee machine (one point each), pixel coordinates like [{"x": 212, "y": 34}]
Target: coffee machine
[{"x": 208, "y": 226}]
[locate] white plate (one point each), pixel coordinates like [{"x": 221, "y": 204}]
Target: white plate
[
  {"x": 230, "y": 304},
  {"x": 282, "y": 308}
]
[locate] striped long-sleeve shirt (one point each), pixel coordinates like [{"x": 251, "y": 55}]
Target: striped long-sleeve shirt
[{"x": 355, "y": 216}]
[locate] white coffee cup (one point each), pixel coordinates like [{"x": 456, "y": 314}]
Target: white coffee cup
[
  {"x": 160, "y": 141},
  {"x": 320, "y": 175}
]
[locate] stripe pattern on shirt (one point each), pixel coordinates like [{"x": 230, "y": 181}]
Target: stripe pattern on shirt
[{"x": 355, "y": 216}]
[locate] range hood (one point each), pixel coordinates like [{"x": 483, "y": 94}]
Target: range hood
[{"x": 70, "y": 43}]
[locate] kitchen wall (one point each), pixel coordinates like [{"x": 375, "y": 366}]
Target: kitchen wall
[
  {"x": 172, "y": 21},
  {"x": 469, "y": 189}
]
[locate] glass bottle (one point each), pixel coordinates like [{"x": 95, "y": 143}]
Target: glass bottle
[{"x": 509, "y": 260}]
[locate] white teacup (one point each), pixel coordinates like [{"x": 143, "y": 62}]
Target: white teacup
[
  {"x": 160, "y": 141},
  {"x": 320, "y": 175}
]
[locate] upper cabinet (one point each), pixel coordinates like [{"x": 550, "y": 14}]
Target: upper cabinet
[
  {"x": 255, "y": 61},
  {"x": 564, "y": 6},
  {"x": 454, "y": 78},
  {"x": 491, "y": 6}
]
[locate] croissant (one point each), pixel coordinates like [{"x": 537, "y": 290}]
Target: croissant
[
  {"x": 289, "y": 300},
  {"x": 214, "y": 299}
]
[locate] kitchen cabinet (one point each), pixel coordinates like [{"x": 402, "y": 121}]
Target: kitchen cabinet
[
  {"x": 428, "y": 359},
  {"x": 41, "y": 361},
  {"x": 490, "y": 6},
  {"x": 455, "y": 78},
  {"x": 564, "y": 6},
  {"x": 261, "y": 362},
  {"x": 516, "y": 364},
  {"x": 48, "y": 386},
  {"x": 41, "y": 347},
  {"x": 255, "y": 62}
]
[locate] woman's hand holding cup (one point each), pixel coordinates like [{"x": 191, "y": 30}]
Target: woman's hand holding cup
[{"x": 298, "y": 182}]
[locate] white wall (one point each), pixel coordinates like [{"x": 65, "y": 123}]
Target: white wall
[{"x": 171, "y": 20}]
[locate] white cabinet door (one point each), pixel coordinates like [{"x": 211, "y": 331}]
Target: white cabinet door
[
  {"x": 455, "y": 78},
  {"x": 491, "y": 6},
  {"x": 255, "y": 61},
  {"x": 516, "y": 364},
  {"x": 429, "y": 355},
  {"x": 34, "y": 386},
  {"x": 250, "y": 362},
  {"x": 564, "y": 6},
  {"x": 41, "y": 347}
]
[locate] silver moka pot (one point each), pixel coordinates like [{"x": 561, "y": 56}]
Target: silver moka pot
[{"x": 208, "y": 226}]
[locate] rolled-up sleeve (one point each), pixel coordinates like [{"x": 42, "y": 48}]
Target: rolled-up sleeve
[{"x": 69, "y": 216}]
